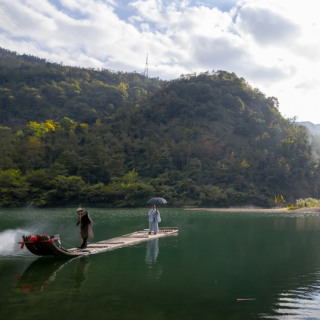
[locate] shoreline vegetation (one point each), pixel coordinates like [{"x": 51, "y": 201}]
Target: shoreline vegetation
[
  {"x": 259, "y": 210},
  {"x": 302, "y": 205},
  {"x": 72, "y": 135}
]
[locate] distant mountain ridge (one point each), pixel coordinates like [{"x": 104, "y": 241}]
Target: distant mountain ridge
[{"x": 313, "y": 128}]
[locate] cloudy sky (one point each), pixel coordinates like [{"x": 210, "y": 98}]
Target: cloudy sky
[{"x": 275, "y": 45}]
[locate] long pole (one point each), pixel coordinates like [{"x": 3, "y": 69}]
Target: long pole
[{"x": 80, "y": 226}]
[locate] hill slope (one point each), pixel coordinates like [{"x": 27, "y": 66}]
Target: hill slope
[
  {"x": 209, "y": 140},
  {"x": 33, "y": 89}
]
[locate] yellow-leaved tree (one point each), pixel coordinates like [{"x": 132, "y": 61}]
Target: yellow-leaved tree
[
  {"x": 50, "y": 125},
  {"x": 245, "y": 165},
  {"x": 98, "y": 122},
  {"x": 84, "y": 126},
  {"x": 122, "y": 86},
  {"x": 34, "y": 144},
  {"x": 39, "y": 129}
]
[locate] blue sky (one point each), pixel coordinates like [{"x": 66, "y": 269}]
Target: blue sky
[
  {"x": 272, "y": 44},
  {"x": 124, "y": 11}
]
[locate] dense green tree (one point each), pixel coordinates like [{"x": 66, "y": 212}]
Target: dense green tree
[{"x": 13, "y": 188}]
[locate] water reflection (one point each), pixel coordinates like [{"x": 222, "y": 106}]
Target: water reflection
[
  {"x": 151, "y": 258},
  {"x": 81, "y": 273},
  {"x": 301, "y": 223},
  {"x": 39, "y": 274},
  {"x": 279, "y": 223},
  {"x": 152, "y": 251},
  {"x": 43, "y": 271},
  {"x": 310, "y": 223}
]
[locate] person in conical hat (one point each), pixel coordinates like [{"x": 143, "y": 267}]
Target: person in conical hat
[{"x": 85, "y": 227}]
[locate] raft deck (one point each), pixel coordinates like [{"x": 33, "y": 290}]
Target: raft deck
[{"x": 45, "y": 248}]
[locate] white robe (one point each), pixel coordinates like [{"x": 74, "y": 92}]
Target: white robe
[{"x": 154, "y": 218}]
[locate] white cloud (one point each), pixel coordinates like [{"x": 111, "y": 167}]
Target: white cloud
[
  {"x": 307, "y": 84},
  {"x": 145, "y": 27},
  {"x": 274, "y": 45},
  {"x": 266, "y": 26},
  {"x": 133, "y": 19}
]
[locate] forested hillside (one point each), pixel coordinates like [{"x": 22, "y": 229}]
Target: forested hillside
[
  {"x": 118, "y": 139},
  {"x": 33, "y": 89}
]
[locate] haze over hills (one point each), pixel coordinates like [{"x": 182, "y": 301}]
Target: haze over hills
[
  {"x": 313, "y": 128},
  {"x": 71, "y": 134}
]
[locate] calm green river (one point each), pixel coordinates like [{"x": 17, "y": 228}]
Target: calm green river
[{"x": 216, "y": 259}]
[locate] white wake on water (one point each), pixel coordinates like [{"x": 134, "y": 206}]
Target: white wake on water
[{"x": 9, "y": 239}]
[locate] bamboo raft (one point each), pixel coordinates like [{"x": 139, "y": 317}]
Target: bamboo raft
[{"x": 46, "y": 248}]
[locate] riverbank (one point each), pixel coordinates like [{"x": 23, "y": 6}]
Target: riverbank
[{"x": 262, "y": 210}]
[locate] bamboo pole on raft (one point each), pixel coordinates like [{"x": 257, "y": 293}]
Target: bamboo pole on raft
[{"x": 80, "y": 227}]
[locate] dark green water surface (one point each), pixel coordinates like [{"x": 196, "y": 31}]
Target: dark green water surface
[{"x": 216, "y": 259}]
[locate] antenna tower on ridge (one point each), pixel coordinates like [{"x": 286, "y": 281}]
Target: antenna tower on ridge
[{"x": 146, "y": 68}]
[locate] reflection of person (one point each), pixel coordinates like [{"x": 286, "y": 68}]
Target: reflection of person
[
  {"x": 86, "y": 227},
  {"x": 154, "y": 218},
  {"x": 152, "y": 251},
  {"x": 80, "y": 274}
]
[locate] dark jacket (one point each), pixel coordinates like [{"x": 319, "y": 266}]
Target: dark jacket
[{"x": 86, "y": 225}]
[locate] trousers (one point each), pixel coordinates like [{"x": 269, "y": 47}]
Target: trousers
[{"x": 84, "y": 243}]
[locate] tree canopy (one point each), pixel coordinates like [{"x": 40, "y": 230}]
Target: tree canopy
[{"x": 71, "y": 134}]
